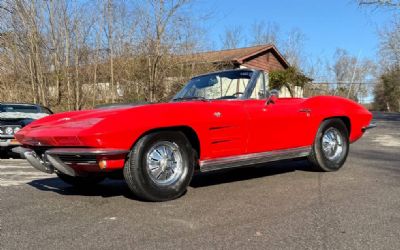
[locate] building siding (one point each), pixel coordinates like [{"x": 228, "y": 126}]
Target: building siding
[{"x": 267, "y": 62}]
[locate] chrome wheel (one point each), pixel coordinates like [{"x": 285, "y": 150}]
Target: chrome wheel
[
  {"x": 332, "y": 144},
  {"x": 164, "y": 163}
]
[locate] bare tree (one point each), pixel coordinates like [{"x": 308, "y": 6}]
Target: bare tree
[
  {"x": 265, "y": 33},
  {"x": 160, "y": 37},
  {"x": 390, "y": 44},
  {"x": 110, "y": 37},
  {"x": 351, "y": 74},
  {"x": 233, "y": 38},
  {"x": 380, "y": 3},
  {"x": 77, "y": 54},
  {"x": 293, "y": 47}
]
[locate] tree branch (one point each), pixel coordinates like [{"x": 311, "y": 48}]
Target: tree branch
[{"x": 384, "y": 3}]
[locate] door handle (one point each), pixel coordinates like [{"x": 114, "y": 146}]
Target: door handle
[{"x": 305, "y": 110}]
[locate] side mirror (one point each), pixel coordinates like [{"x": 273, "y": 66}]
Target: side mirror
[{"x": 273, "y": 97}]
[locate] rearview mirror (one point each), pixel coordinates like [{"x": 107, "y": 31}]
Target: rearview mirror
[
  {"x": 201, "y": 83},
  {"x": 273, "y": 97}
]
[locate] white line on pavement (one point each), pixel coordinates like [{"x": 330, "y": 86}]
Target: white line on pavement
[
  {"x": 23, "y": 173},
  {"x": 14, "y": 166}
]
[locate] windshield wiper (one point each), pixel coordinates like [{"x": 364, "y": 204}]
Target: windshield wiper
[{"x": 185, "y": 98}]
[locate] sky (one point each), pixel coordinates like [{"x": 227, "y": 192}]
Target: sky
[{"x": 327, "y": 24}]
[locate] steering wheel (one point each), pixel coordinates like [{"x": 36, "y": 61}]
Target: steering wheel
[
  {"x": 238, "y": 93},
  {"x": 233, "y": 96}
]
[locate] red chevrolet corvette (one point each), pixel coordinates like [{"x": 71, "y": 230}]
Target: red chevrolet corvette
[{"x": 217, "y": 121}]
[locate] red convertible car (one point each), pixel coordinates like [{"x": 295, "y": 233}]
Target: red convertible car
[{"x": 217, "y": 121}]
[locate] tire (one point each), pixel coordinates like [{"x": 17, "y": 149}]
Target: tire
[
  {"x": 13, "y": 155},
  {"x": 3, "y": 154},
  {"x": 81, "y": 181},
  {"x": 328, "y": 154},
  {"x": 160, "y": 166}
]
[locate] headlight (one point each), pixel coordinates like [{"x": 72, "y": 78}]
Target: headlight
[
  {"x": 16, "y": 129},
  {"x": 9, "y": 131}
]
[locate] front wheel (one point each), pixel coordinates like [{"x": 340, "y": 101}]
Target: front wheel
[
  {"x": 331, "y": 146},
  {"x": 160, "y": 166}
]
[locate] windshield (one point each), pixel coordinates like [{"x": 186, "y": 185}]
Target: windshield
[
  {"x": 19, "y": 108},
  {"x": 221, "y": 85}
]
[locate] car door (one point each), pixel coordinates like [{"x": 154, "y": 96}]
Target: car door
[
  {"x": 227, "y": 125},
  {"x": 276, "y": 125},
  {"x": 279, "y": 125}
]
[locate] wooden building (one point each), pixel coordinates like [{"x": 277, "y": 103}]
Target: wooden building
[{"x": 263, "y": 57}]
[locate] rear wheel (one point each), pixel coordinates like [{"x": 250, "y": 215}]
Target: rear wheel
[
  {"x": 331, "y": 146},
  {"x": 81, "y": 181},
  {"x": 160, "y": 166}
]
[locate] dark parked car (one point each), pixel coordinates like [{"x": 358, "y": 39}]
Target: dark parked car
[{"x": 14, "y": 116}]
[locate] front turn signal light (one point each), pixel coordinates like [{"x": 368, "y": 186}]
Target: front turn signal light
[{"x": 103, "y": 164}]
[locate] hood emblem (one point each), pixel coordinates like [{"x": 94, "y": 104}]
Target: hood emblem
[{"x": 217, "y": 114}]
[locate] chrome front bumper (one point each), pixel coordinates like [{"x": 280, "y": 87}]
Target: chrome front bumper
[
  {"x": 8, "y": 142},
  {"x": 50, "y": 161}
]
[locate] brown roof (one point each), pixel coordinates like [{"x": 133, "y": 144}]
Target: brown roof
[{"x": 235, "y": 55}]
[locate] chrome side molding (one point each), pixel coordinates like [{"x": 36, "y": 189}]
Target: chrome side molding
[
  {"x": 86, "y": 151},
  {"x": 251, "y": 159}
]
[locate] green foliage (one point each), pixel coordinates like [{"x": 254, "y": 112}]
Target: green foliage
[
  {"x": 290, "y": 77},
  {"x": 387, "y": 92}
]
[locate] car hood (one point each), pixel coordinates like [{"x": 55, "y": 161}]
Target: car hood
[
  {"x": 158, "y": 109},
  {"x": 97, "y": 127},
  {"x": 19, "y": 118},
  {"x": 63, "y": 119}
]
